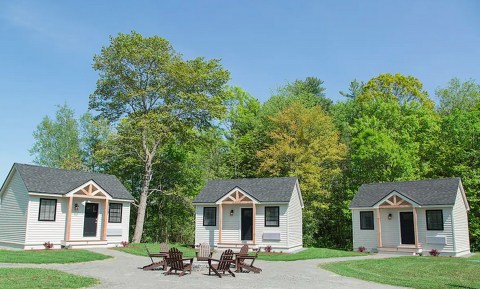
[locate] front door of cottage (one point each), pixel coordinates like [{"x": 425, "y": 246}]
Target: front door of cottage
[
  {"x": 407, "y": 228},
  {"x": 247, "y": 224},
  {"x": 91, "y": 219}
]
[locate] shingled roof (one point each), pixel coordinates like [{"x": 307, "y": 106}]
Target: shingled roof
[
  {"x": 39, "y": 179},
  {"x": 262, "y": 189},
  {"x": 422, "y": 192}
]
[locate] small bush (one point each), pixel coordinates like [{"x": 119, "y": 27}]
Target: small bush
[
  {"x": 268, "y": 249},
  {"x": 48, "y": 245},
  {"x": 434, "y": 253},
  {"x": 361, "y": 249},
  {"x": 124, "y": 244}
]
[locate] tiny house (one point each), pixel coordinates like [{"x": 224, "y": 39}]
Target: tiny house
[
  {"x": 65, "y": 207},
  {"x": 260, "y": 212},
  {"x": 412, "y": 217}
]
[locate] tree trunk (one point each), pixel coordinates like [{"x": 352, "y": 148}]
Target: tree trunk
[{"x": 142, "y": 206}]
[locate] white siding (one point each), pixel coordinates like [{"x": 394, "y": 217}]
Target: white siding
[
  {"x": 447, "y": 232},
  {"x": 39, "y": 232},
  {"x": 205, "y": 233},
  {"x": 13, "y": 211},
  {"x": 294, "y": 216},
  {"x": 78, "y": 219},
  {"x": 391, "y": 236},
  {"x": 123, "y": 226},
  {"x": 460, "y": 222},
  {"x": 231, "y": 224},
  {"x": 363, "y": 238},
  {"x": 282, "y": 229}
]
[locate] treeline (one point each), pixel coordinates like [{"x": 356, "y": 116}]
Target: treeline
[{"x": 164, "y": 126}]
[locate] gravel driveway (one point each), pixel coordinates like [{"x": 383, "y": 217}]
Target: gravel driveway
[{"x": 122, "y": 272}]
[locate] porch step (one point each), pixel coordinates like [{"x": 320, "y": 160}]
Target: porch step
[
  {"x": 404, "y": 250},
  {"x": 234, "y": 245},
  {"x": 83, "y": 243}
]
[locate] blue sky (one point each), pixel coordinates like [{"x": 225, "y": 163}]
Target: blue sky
[{"x": 46, "y": 47}]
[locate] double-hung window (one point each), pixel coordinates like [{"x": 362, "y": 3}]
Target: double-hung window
[
  {"x": 47, "y": 210},
  {"x": 272, "y": 216},
  {"x": 209, "y": 216},
  {"x": 115, "y": 213},
  {"x": 434, "y": 220},
  {"x": 366, "y": 220}
]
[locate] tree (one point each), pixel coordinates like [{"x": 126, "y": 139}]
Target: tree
[
  {"x": 159, "y": 96},
  {"x": 305, "y": 144},
  {"x": 57, "y": 141},
  {"x": 458, "y": 96},
  {"x": 94, "y": 133}
]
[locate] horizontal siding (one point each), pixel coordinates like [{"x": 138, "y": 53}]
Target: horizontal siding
[
  {"x": 231, "y": 224},
  {"x": 460, "y": 222},
  {"x": 294, "y": 215},
  {"x": 78, "y": 219},
  {"x": 282, "y": 229},
  {"x": 391, "y": 236},
  {"x": 204, "y": 234},
  {"x": 363, "y": 238},
  {"x": 123, "y": 226},
  {"x": 447, "y": 230},
  {"x": 13, "y": 210},
  {"x": 40, "y": 232}
]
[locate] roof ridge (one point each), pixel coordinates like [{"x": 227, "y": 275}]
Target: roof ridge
[
  {"x": 60, "y": 169},
  {"x": 412, "y": 181},
  {"x": 239, "y": 179}
]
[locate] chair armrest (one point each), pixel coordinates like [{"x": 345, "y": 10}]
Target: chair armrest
[{"x": 211, "y": 259}]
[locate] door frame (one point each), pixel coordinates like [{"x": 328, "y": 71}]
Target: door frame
[
  {"x": 400, "y": 227},
  {"x": 241, "y": 209},
  {"x": 84, "y": 218}
]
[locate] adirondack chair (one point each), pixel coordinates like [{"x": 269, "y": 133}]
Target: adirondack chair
[
  {"x": 164, "y": 248},
  {"x": 203, "y": 252},
  {"x": 155, "y": 265},
  {"x": 224, "y": 264},
  {"x": 241, "y": 261},
  {"x": 176, "y": 262}
]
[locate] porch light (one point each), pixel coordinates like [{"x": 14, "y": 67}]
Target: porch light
[
  {"x": 389, "y": 216},
  {"x": 231, "y": 212},
  {"x": 76, "y": 207}
]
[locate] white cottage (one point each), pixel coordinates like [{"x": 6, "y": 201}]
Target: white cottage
[
  {"x": 64, "y": 207},
  {"x": 259, "y": 212},
  {"x": 412, "y": 217}
]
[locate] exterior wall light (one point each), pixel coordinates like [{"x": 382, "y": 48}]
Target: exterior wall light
[
  {"x": 231, "y": 212},
  {"x": 390, "y": 216},
  {"x": 76, "y": 207}
]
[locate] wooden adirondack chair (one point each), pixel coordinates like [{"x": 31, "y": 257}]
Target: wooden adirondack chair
[
  {"x": 164, "y": 248},
  {"x": 204, "y": 252},
  {"x": 241, "y": 261},
  {"x": 224, "y": 264},
  {"x": 155, "y": 265},
  {"x": 176, "y": 262}
]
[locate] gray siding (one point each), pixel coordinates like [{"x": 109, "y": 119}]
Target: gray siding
[
  {"x": 13, "y": 211},
  {"x": 447, "y": 232},
  {"x": 294, "y": 215},
  {"x": 460, "y": 221},
  {"x": 363, "y": 238}
]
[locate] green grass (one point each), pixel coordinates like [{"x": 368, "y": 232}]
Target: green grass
[
  {"x": 415, "y": 272},
  {"x": 50, "y": 256},
  {"x": 309, "y": 253},
  {"x": 19, "y": 278},
  {"x": 139, "y": 249}
]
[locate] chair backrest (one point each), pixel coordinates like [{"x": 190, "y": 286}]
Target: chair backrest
[
  {"x": 203, "y": 251},
  {"x": 244, "y": 250},
  {"x": 148, "y": 252},
  {"x": 164, "y": 248},
  {"x": 174, "y": 259},
  {"x": 225, "y": 260}
]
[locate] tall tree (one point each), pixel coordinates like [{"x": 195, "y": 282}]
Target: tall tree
[
  {"x": 160, "y": 95},
  {"x": 57, "y": 141},
  {"x": 458, "y": 95}
]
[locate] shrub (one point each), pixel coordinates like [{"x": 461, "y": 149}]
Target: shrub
[
  {"x": 434, "y": 253},
  {"x": 361, "y": 249},
  {"x": 124, "y": 243},
  {"x": 268, "y": 249},
  {"x": 48, "y": 245}
]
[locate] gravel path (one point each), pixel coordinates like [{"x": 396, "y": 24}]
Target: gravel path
[{"x": 122, "y": 272}]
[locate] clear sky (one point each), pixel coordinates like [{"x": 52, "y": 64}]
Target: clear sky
[{"x": 46, "y": 47}]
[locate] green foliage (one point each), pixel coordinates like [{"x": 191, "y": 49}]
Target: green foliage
[
  {"x": 458, "y": 95},
  {"x": 36, "y": 278}
]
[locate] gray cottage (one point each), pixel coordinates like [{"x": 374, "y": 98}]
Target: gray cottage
[
  {"x": 412, "y": 217},
  {"x": 259, "y": 212},
  {"x": 64, "y": 207}
]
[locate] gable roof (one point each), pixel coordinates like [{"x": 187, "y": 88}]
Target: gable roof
[
  {"x": 262, "y": 189},
  {"x": 54, "y": 181},
  {"x": 423, "y": 192}
]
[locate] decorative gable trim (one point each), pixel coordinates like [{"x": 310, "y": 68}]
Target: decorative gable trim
[
  {"x": 237, "y": 196},
  {"x": 395, "y": 200},
  {"x": 89, "y": 189}
]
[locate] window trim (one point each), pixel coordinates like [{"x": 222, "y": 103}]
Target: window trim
[
  {"x": 441, "y": 215},
  {"x": 278, "y": 216},
  {"x": 362, "y": 227},
  {"x": 40, "y": 210},
  {"x": 215, "y": 216},
  {"x": 121, "y": 213}
]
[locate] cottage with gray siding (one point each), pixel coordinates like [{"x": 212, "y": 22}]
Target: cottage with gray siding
[
  {"x": 259, "y": 212},
  {"x": 67, "y": 208},
  {"x": 412, "y": 217}
]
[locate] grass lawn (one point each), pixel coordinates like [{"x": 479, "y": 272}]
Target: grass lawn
[
  {"x": 139, "y": 249},
  {"x": 49, "y": 256},
  {"x": 415, "y": 272},
  {"x": 19, "y": 278},
  {"x": 309, "y": 253}
]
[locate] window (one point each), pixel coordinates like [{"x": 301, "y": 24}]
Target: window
[
  {"x": 115, "y": 213},
  {"x": 366, "y": 220},
  {"x": 47, "y": 210},
  {"x": 272, "y": 215},
  {"x": 209, "y": 216},
  {"x": 434, "y": 220}
]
